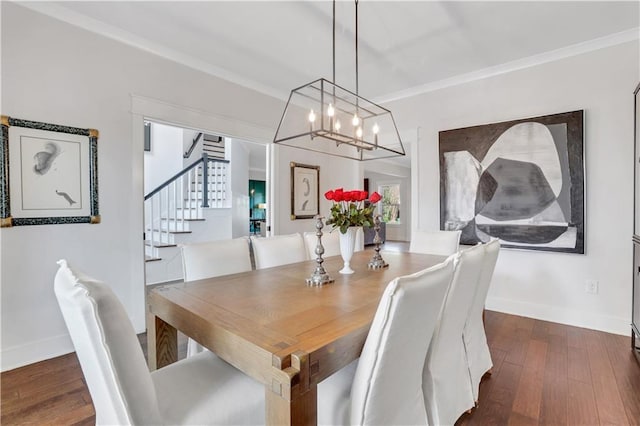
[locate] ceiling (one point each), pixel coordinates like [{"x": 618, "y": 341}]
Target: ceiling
[
  {"x": 276, "y": 46},
  {"x": 404, "y": 47}
]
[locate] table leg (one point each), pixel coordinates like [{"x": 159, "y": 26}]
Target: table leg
[
  {"x": 288, "y": 403},
  {"x": 162, "y": 342},
  {"x": 300, "y": 409}
]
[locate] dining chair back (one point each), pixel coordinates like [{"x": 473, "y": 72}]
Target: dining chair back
[
  {"x": 213, "y": 259},
  {"x": 330, "y": 243},
  {"x": 475, "y": 339},
  {"x": 443, "y": 243},
  {"x": 202, "y": 389},
  {"x": 359, "y": 239},
  {"x": 446, "y": 383},
  {"x": 278, "y": 250},
  {"x": 382, "y": 387}
]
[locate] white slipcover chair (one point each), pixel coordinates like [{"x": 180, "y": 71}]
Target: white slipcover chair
[
  {"x": 359, "y": 239},
  {"x": 330, "y": 242},
  {"x": 443, "y": 243},
  {"x": 384, "y": 386},
  {"x": 278, "y": 250},
  {"x": 213, "y": 259},
  {"x": 446, "y": 384},
  {"x": 475, "y": 339},
  {"x": 199, "y": 390}
]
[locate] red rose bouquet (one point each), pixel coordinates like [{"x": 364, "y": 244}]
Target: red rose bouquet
[{"x": 350, "y": 208}]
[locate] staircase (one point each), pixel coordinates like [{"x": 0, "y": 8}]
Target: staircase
[{"x": 181, "y": 210}]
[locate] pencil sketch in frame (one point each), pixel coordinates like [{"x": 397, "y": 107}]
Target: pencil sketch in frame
[
  {"x": 49, "y": 174},
  {"x": 521, "y": 181},
  {"x": 305, "y": 191}
]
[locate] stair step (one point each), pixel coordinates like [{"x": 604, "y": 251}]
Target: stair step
[
  {"x": 151, "y": 258},
  {"x": 159, "y": 245},
  {"x": 170, "y": 232},
  {"x": 197, "y": 219}
]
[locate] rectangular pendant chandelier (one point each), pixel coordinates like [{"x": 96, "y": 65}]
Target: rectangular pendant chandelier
[{"x": 324, "y": 117}]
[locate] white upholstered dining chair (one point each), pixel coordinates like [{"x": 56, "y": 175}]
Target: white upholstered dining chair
[
  {"x": 199, "y": 390},
  {"x": 330, "y": 242},
  {"x": 382, "y": 387},
  {"x": 443, "y": 243},
  {"x": 359, "y": 239},
  {"x": 446, "y": 384},
  {"x": 475, "y": 340},
  {"x": 213, "y": 259},
  {"x": 278, "y": 250}
]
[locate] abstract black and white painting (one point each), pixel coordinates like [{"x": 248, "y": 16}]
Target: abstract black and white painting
[{"x": 521, "y": 181}]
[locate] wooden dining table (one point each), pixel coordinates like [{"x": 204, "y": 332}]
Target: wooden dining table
[{"x": 272, "y": 326}]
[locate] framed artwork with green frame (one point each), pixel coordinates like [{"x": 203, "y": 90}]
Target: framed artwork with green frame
[{"x": 49, "y": 173}]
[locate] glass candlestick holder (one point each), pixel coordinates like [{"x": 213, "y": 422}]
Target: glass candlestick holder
[
  {"x": 377, "y": 262},
  {"x": 319, "y": 276}
]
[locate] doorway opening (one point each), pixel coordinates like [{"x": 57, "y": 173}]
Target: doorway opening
[{"x": 196, "y": 189}]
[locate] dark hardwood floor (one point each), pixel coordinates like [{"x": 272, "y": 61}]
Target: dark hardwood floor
[{"x": 544, "y": 374}]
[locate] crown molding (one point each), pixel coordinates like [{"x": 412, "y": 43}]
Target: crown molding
[
  {"x": 95, "y": 26},
  {"x": 531, "y": 61}
]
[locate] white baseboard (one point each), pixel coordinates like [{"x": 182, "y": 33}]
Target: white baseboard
[
  {"x": 19, "y": 356},
  {"x": 609, "y": 324}
]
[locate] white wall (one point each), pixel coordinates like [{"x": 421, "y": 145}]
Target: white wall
[
  {"x": 165, "y": 158},
  {"x": 335, "y": 172},
  {"x": 257, "y": 174},
  {"x": 542, "y": 284},
  {"x": 56, "y": 73},
  {"x": 238, "y": 154}
]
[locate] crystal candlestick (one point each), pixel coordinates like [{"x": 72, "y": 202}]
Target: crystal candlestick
[
  {"x": 377, "y": 262},
  {"x": 319, "y": 276}
]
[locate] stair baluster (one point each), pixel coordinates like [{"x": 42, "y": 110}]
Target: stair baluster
[{"x": 205, "y": 182}]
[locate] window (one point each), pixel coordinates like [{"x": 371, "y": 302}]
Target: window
[{"x": 390, "y": 203}]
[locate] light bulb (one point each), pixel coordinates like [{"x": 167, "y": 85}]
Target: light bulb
[
  {"x": 312, "y": 116},
  {"x": 359, "y": 132},
  {"x": 337, "y": 125},
  {"x": 375, "y": 130},
  {"x": 330, "y": 110},
  {"x": 356, "y": 120}
]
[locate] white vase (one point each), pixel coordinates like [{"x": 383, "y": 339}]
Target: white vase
[{"x": 347, "y": 247}]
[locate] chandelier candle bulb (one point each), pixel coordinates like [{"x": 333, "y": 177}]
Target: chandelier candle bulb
[
  {"x": 375, "y": 130},
  {"x": 312, "y": 118},
  {"x": 330, "y": 112},
  {"x": 359, "y": 132},
  {"x": 356, "y": 120}
]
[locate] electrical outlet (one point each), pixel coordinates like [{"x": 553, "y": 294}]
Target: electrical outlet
[{"x": 591, "y": 286}]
